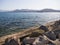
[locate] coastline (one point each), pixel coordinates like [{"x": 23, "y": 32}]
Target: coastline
[
  {"x": 19, "y": 34},
  {"x": 30, "y": 30}
]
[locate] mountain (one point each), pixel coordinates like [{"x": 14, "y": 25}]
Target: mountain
[
  {"x": 29, "y": 10},
  {"x": 43, "y": 10},
  {"x": 25, "y": 10},
  {"x": 49, "y": 10}
]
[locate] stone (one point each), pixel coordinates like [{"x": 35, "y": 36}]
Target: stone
[
  {"x": 43, "y": 28},
  {"x": 50, "y": 43},
  {"x": 40, "y": 43},
  {"x": 11, "y": 42},
  {"x": 59, "y": 36},
  {"x": 57, "y": 32},
  {"x": 28, "y": 41},
  {"x": 50, "y": 35}
]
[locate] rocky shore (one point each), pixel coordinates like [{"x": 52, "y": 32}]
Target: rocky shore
[{"x": 48, "y": 34}]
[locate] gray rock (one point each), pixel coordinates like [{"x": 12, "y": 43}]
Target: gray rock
[
  {"x": 59, "y": 36},
  {"x": 40, "y": 43},
  {"x": 50, "y": 43},
  {"x": 43, "y": 28},
  {"x": 50, "y": 35},
  {"x": 28, "y": 41},
  {"x": 11, "y": 42},
  {"x": 57, "y": 32}
]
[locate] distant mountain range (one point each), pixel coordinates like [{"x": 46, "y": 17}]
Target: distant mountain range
[
  {"x": 49, "y": 10},
  {"x": 28, "y": 10}
]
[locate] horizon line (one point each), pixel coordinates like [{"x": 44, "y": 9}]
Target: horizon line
[{"x": 27, "y": 9}]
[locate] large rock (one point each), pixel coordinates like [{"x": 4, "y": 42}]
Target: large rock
[
  {"x": 50, "y": 35},
  {"x": 38, "y": 41},
  {"x": 28, "y": 40},
  {"x": 57, "y": 32},
  {"x": 50, "y": 43},
  {"x": 42, "y": 41},
  {"x": 54, "y": 25},
  {"x": 43, "y": 28},
  {"x": 11, "y": 41},
  {"x": 59, "y": 36}
]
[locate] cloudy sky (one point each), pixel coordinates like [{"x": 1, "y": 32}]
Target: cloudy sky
[{"x": 29, "y": 4}]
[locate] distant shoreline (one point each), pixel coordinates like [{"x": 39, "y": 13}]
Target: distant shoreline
[{"x": 29, "y": 10}]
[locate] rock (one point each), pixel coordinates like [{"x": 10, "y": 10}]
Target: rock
[
  {"x": 50, "y": 35},
  {"x": 28, "y": 40},
  {"x": 59, "y": 36},
  {"x": 11, "y": 42},
  {"x": 47, "y": 41},
  {"x": 44, "y": 39},
  {"x": 43, "y": 28},
  {"x": 55, "y": 25},
  {"x": 41, "y": 41},
  {"x": 50, "y": 43},
  {"x": 38, "y": 42},
  {"x": 40, "y": 38},
  {"x": 57, "y": 32}
]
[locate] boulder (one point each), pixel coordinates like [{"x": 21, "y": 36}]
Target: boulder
[
  {"x": 43, "y": 28},
  {"x": 28, "y": 40},
  {"x": 40, "y": 43},
  {"x": 50, "y": 43},
  {"x": 57, "y": 32},
  {"x": 11, "y": 42},
  {"x": 50, "y": 35},
  {"x": 41, "y": 38},
  {"x": 59, "y": 36},
  {"x": 54, "y": 25}
]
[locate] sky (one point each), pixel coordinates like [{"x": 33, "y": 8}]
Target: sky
[{"x": 29, "y": 4}]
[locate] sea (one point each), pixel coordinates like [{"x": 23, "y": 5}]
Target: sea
[{"x": 12, "y": 22}]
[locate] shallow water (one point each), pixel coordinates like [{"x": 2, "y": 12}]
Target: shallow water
[{"x": 13, "y": 22}]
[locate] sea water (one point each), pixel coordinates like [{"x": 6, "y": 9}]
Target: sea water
[{"x": 14, "y": 22}]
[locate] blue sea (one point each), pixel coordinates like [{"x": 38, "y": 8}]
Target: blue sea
[{"x": 15, "y": 22}]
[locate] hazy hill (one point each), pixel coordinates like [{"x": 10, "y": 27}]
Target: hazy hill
[
  {"x": 43, "y": 10},
  {"x": 29, "y": 10},
  {"x": 49, "y": 10}
]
